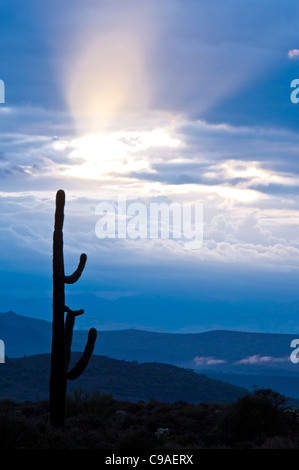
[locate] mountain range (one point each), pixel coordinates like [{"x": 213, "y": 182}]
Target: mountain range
[
  {"x": 151, "y": 313},
  {"x": 240, "y": 358}
]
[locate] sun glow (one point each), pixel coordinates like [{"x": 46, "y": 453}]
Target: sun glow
[
  {"x": 108, "y": 88},
  {"x": 103, "y": 156},
  {"x": 106, "y": 78}
]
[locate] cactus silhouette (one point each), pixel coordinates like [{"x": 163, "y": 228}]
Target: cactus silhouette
[{"x": 62, "y": 329}]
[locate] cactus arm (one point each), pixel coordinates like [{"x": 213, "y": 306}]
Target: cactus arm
[
  {"x": 75, "y": 313},
  {"x": 77, "y": 370},
  {"x": 68, "y": 332},
  {"x": 76, "y": 274}
]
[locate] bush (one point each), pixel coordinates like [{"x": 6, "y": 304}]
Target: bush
[
  {"x": 255, "y": 416},
  {"x": 78, "y": 403}
]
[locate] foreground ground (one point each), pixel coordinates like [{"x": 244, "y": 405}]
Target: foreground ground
[{"x": 257, "y": 420}]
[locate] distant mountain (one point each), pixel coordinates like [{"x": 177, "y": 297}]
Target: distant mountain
[
  {"x": 149, "y": 313},
  {"x": 27, "y": 378},
  {"x": 246, "y": 359},
  {"x": 24, "y": 335},
  {"x": 228, "y": 351},
  {"x": 224, "y": 350}
]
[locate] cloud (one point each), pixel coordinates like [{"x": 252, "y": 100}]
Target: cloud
[
  {"x": 259, "y": 360},
  {"x": 293, "y": 54},
  {"x": 243, "y": 221},
  {"x": 207, "y": 361},
  {"x": 214, "y": 81}
]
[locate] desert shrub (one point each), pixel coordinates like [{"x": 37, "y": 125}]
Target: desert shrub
[
  {"x": 12, "y": 432},
  {"x": 35, "y": 410},
  {"x": 78, "y": 403},
  {"x": 280, "y": 442},
  {"x": 255, "y": 416},
  {"x": 136, "y": 438},
  {"x": 135, "y": 407},
  {"x": 17, "y": 433},
  {"x": 130, "y": 420},
  {"x": 7, "y": 405}
]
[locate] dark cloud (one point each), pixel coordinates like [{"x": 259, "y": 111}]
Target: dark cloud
[
  {"x": 275, "y": 189},
  {"x": 185, "y": 174}
]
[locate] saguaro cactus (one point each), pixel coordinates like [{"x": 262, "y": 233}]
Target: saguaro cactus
[{"x": 62, "y": 329}]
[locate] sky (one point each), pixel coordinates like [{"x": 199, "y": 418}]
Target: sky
[{"x": 175, "y": 102}]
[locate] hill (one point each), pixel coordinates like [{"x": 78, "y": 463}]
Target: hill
[
  {"x": 27, "y": 378},
  {"x": 287, "y": 386}
]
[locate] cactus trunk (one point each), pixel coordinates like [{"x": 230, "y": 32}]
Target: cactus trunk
[{"x": 62, "y": 330}]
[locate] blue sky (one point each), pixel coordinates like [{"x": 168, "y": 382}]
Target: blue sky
[{"x": 170, "y": 101}]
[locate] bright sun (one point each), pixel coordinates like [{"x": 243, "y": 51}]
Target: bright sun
[{"x": 103, "y": 156}]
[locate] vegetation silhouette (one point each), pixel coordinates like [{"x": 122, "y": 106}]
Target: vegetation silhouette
[
  {"x": 62, "y": 329},
  {"x": 98, "y": 421},
  {"x": 255, "y": 416}
]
